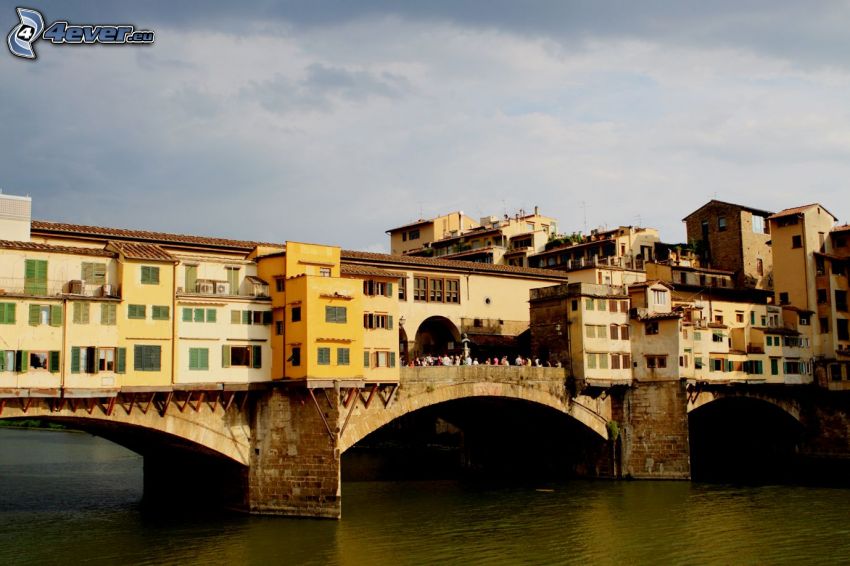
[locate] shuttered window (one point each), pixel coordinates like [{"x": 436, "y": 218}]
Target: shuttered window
[
  {"x": 191, "y": 278},
  {"x": 35, "y": 277},
  {"x": 108, "y": 314},
  {"x": 135, "y": 311},
  {"x": 336, "y": 314},
  {"x": 159, "y": 312},
  {"x": 324, "y": 356},
  {"x": 7, "y": 313},
  {"x": 81, "y": 313},
  {"x": 199, "y": 358},
  {"x": 150, "y": 275},
  {"x": 93, "y": 273},
  {"x": 343, "y": 356},
  {"x": 147, "y": 358}
]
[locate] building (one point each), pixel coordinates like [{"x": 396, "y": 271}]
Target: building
[
  {"x": 494, "y": 240},
  {"x": 735, "y": 238}
]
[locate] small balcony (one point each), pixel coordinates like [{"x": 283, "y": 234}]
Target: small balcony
[{"x": 55, "y": 288}]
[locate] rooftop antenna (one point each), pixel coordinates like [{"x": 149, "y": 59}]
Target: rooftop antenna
[
  {"x": 584, "y": 209},
  {"x": 639, "y": 221}
]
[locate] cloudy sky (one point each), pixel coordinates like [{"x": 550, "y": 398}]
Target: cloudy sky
[{"x": 331, "y": 121}]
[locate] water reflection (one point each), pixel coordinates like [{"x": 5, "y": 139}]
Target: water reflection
[{"x": 74, "y": 497}]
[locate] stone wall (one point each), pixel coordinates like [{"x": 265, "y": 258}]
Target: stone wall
[
  {"x": 653, "y": 422},
  {"x": 295, "y": 466}
]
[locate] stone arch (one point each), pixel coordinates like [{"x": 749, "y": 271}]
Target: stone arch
[
  {"x": 703, "y": 398},
  {"x": 437, "y": 335},
  {"x": 369, "y": 421}
]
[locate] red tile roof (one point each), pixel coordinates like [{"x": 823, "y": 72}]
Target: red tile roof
[
  {"x": 349, "y": 269},
  {"x": 42, "y": 227},
  {"x": 799, "y": 210},
  {"x": 37, "y": 247},
  {"x": 132, "y": 250}
]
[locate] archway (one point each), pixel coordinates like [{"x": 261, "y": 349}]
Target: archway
[
  {"x": 403, "y": 348},
  {"x": 482, "y": 437},
  {"x": 437, "y": 335},
  {"x": 743, "y": 439}
]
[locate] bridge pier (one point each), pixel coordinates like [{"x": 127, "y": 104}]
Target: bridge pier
[
  {"x": 295, "y": 458},
  {"x": 654, "y": 436}
]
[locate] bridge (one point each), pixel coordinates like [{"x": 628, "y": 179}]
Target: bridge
[{"x": 276, "y": 448}]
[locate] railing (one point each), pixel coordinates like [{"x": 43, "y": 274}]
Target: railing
[{"x": 52, "y": 287}]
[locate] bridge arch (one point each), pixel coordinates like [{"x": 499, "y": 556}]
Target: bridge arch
[
  {"x": 437, "y": 335},
  {"x": 415, "y": 395},
  {"x": 699, "y": 399}
]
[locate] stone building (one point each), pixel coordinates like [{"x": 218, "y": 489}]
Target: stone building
[{"x": 735, "y": 238}]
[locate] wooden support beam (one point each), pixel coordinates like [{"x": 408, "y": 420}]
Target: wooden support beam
[
  {"x": 229, "y": 401},
  {"x": 368, "y": 400},
  {"x": 322, "y": 415}
]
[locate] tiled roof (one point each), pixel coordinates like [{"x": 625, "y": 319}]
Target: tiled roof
[
  {"x": 425, "y": 262},
  {"x": 37, "y": 247},
  {"x": 659, "y": 316},
  {"x": 132, "y": 250},
  {"x": 411, "y": 225},
  {"x": 842, "y": 228},
  {"x": 350, "y": 269},
  {"x": 799, "y": 210},
  {"x": 715, "y": 202},
  {"x": 59, "y": 228},
  {"x": 256, "y": 280},
  {"x": 650, "y": 283},
  {"x": 777, "y": 330}
]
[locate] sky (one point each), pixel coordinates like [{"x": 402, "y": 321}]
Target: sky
[{"x": 333, "y": 121}]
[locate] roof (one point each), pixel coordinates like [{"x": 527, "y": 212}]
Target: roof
[
  {"x": 37, "y": 247},
  {"x": 659, "y": 316},
  {"x": 451, "y": 264},
  {"x": 842, "y": 228},
  {"x": 42, "y": 227},
  {"x": 255, "y": 280},
  {"x": 650, "y": 283},
  {"x": 781, "y": 331},
  {"x": 714, "y": 202},
  {"x": 349, "y": 269},
  {"x": 419, "y": 222},
  {"x": 132, "y": 250},
  {"x": 799, "y": 210}
]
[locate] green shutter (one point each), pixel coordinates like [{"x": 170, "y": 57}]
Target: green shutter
[
  {"x": 121, "y": 360},
  {"x": 56, "y": 315},
  {"x": 225, "y": 356},
  {"x": 23, "y": 361},
  {"x": 191, "y": 278},
  {"x": 235, "y": 317},
  {"x": 392, "y": 359},
  {"x": 211, "y": 315},
  {"x": 193, "y": 358},
  {"x": 366, "y": 360},
  {"x": 2, "y": 361},
  {"x": 150, "y": 275},
  {"x": 390, "y": 322},
  {"x": 138, "y": 357},
  {"x": 75, "y": 359},
  {"x": 257, "y": 356},
  {"x": 389, "y": 289},
  {"x": 7, "y": 313},
  {"x": 204, "y": 358},
  {"x": 35, "y": 277},
  {"x": 246, "y": 317},
  {"x": 199, "y": 315},
  {"x": 54, "y": 361},
  {"x": 187, "y": 315},
  {"x": 35, "y": 315},
  {"x": 160, "y": 312}
]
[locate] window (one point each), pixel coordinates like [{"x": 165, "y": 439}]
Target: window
[
  {"x": 796, "y": 241},
  {"x": 717, "y": 364},
  {"x": 453, "y": 290},
  {"x": 146, "y": 358},
  {"x": 83, "y": 359},
  {"x": 402, "y": 289},
  {"x": 436, "y": 290},
  {"x": 659, "y": 362},
  {"x": 40, "y": 360},
  {"x": 698, "y": 363},
  {"x": 250, "y": 317},
  {"x": 35, "y": 277},
  {"x": 413, "y": 235},
  {"x": 295, "y": 314},
  {"x": 841, "y": 329},
  {"x": 805, "y": 319},
  {"x": 435, "y": 294},
  {"x": 199, "y": 358},
  {"x": 233, "y": 279},
  {"x": 758, "y": 224},
  {"x": 841, "y": 301},
  {"x": 342, "y": 356},
  {"x": 93, "y": 273},
  {"x": 795, "y": 367},
  {"x": 615, "y": 333},
  {"x": 759, "y": 266},
  {"x": 372, "y": 320},
  {"x": 279, "y": 284},
  {"x": 106, "y": 359},
  {"x": 241, "y": 356},
  {"x": 191, "y": 281},
  {"x": 774, "y": 366},
  {"x": 615, "y": 361},
  {"x": 574, "y": 304},
  {"x": 721, "y": 223},
  {"x": 337, "y": 315},
  {"x": 7, "y": 313},
  {"x": 295, "y": 356},
  {"x": 651, "y": 328},
  {"x": 717, "y": 337},
  {"x": 823, "y": 325},
  {"x": 135, "y": 311},
  {"x": 324, "y": 356},
  {"x": 324, "y": 272},
  {"x": 150, "y": 275},
  {"x": 588, "y": 304},
  {"x": 45, "y": 314},
  {"x": 739, "y": 316},
  {"x": 278, "y": 328},
  {"x": 159, "y": 312},
  {"x": 718, "y": 318},
  {"x": 81, "y": 313},
  {"x": 755, "y": 367},
  {"x": 659, "y": 297},
  {"x": 420, "y": 288},
  {"x": 783, "y": 298},
  {"x": 108, "y": 313}
]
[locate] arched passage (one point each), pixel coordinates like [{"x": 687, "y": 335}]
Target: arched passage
[
  {"x": 437, "y": 335},
  {"x": 743, "y": 439},
  {"x": 487, "y": 436}
]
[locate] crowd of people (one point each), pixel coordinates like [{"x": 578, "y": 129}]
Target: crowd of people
[{"x": 456, "y": 360}]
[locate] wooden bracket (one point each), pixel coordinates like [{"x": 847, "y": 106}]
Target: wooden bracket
[{"x": 321, "y": 414}]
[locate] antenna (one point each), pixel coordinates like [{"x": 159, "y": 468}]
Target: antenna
[{"x": 584, "y": 209}]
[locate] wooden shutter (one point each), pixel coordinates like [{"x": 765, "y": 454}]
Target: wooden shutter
[
  {"x": 35, "y": 277},
  {"x": 366, "y": 359},
  {"x": 193, "y": 358},
  {"x": 7, "y": 313},
  {"x": 203, "y": 358},
  {"x": 235, "y": 317},
  {"x": 75, "y": 359},
  {"x": 246, "y": 317},
  {"x": 267, "y": 317},
  {"x": 390, "y": 322},
  {"x": 23, "y": 361},
  {"x": 199, "y": 315},
  {"x": 35, "y": 315},
  {"x": 54, "y": 361},
  {"x": 225, "y": 356},
  {"x": 121, "y": 360},
  {"x": 56, "y": 315},
  {"x": 138, "y": 357},
  {"x": 211, "y": 315},
  {"x": 389, "y": 290},
  {"x": 392, "y": 359},
  {"x": 187, "y": 315},
  {"x": 191, "y": 278},
  {"x": 257, "y": 356}
]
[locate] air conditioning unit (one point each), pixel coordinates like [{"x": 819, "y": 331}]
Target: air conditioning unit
[
  {"x": 76, "y": 287},
  {"x": 205, "y": 287},
  {"x": 106, "y": 290},
  {"x": 222, "y": 288}
]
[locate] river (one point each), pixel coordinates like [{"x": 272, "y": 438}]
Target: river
[{"x": 73, "y": 498}]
